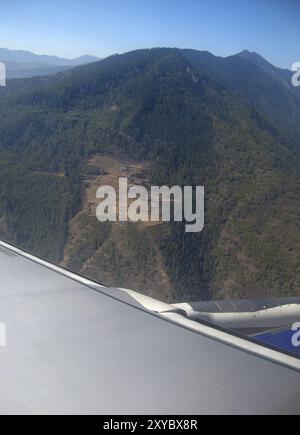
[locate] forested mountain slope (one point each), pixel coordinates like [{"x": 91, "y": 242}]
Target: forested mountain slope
[
  {"x": 266, "y": 88},
  {"x": 186, "y": 115}
]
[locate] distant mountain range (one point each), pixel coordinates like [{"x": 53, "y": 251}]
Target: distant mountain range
[
  {"x": 175, "y": 117},
  {"x": 24, "y": 64}
]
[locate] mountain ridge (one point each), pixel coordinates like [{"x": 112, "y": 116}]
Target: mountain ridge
[
  {"x": 177, "y": 109},
  {"x": 25, "y": 64},
  {"x": 25, "y": 56}
]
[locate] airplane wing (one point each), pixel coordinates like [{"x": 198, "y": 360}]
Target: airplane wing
[{"x": 73, "y": 346}]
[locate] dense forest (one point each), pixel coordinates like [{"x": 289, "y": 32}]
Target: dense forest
[{"x": 231, "y": 125}]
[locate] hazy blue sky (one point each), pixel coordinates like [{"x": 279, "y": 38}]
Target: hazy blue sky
[{"x": 102, "y": 27}]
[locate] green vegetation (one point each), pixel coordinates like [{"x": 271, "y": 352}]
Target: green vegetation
[{"x": 195, "y": 117}]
